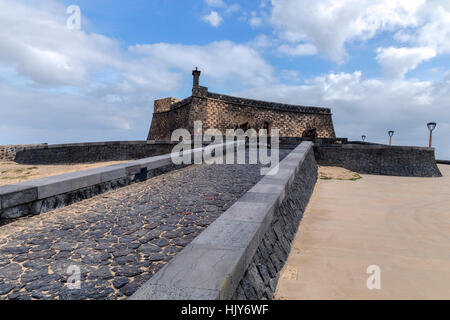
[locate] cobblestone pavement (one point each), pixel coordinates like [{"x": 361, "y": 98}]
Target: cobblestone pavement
[{"x": 118, "y": 239}]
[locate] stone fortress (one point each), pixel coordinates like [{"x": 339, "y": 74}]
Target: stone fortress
[
  {"x": 150, "y": 229},
  {"x": 223, "y": 112}
]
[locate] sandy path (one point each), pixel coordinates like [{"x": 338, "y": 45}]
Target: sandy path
[
  {"x": 11, "y": 172},
  {"x": 400, "y": 224}
]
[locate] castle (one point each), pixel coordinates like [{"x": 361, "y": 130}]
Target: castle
[{"x": 226, "y": 112}]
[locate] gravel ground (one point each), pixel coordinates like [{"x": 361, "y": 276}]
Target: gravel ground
[{"x": 118, "y": 239}]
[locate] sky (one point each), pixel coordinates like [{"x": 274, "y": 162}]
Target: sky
[{"x": 378, "y": 64}]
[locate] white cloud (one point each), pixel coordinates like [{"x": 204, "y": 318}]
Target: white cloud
[
  {"x": 330, "y": 24},
  {"x": 35, "y": 116},
  {"x": 215, "y": 3},
  {"x": 36, "y": 41},
  {"x": 290, "y": 76},
  {"x": 396, "y": 62},
  {"x": 434, "y": 31},
  {"x": 60, "y": 85},
  {"x": 37, "y": 45},
  {"x": 262, "y": 41},
  {"x": 373, "y": 106},
  {"x": 222, "y": 60},
  {"x": 302, "y": 49},
  {"x": 255, "y": 20},
  {"x": 233, "y": 8},
  {"x": 213, "y": 18}
]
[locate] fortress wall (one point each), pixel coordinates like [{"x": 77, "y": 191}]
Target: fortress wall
[
  {"x": 240, "y": 255},
  {"x": 91, "y": 152},
  {"x": 163, "y": 105},
  {"x": 380, "y": 159},
  {"x": 225, "y": 112},
  {"x": 222, "y": 114},
  {"x": 164, "y": 123},
  {"x": 8, "y": 152}
]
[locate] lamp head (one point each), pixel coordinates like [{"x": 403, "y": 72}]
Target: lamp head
[
  {"x": 431, "y": 125},
  {"x": 391, "y": 133}
]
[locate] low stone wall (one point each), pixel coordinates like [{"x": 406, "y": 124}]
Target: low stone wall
[
  {"x": 42, "y": 195},
  {"x": 45, "y": 194},
  {"x": 91, "y": 152},
  {"x": 261, "y": 278},
  {"x": 292, "y": 142},
  {"x": 380, "y": 159},
  {"x": 8, "y": 152},
  {"x": 227, "y": 259}
]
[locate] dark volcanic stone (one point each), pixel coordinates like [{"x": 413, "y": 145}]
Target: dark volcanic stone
[
  {"x": 11, "y": 271},
  {"x": 5, "y": 288},
  {"x": 120, "y": 282}
]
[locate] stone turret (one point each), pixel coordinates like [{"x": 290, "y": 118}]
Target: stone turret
[
  {"x": 197, "y": 90},
  {"x": 163, "y": 105},
  {"x": 196, "y": 73}
]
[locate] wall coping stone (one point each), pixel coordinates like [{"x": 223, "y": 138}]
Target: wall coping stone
[
  {"x": 213, "y": 264},
  {"x": 267, "y": 104},
  {"x": 373, "y": 146},
  {"x": 87, "y": 144}
]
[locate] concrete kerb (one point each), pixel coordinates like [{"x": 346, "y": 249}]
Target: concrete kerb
[
  {"x": 13, "y": 195},
  {"x": 213, "y": 264}
]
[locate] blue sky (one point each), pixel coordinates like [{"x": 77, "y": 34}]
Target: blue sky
[{"x": 378, "y": 64}]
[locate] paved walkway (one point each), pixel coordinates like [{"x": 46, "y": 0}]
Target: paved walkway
[
  {"x": 119, "y": 239},
  {"x": 400, "y": 224}
]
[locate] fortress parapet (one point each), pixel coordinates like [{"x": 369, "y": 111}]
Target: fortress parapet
[{"x": 163, "y": 105}]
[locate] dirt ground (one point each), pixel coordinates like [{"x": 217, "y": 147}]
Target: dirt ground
[
  {"x": 337, "y": 173},
  {"x": 11, "y": 172},
  {"x": 380, "y": 237}
]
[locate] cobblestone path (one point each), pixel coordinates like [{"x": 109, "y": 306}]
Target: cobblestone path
[{"x": 118, "y": 239}]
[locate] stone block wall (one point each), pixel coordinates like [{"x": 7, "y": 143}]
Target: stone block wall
[
  {"x": 164, "y": 123},
  {"x": 8, "y": 152},
  {"x": 225, "y": 112},
  {"x": 91, "y": 152},
  {"x": 380, "y": 159},
  {"x": 163, "y": 105}
]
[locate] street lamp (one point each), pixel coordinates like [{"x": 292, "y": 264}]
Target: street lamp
[
  {"x": 390, "y": 133},
  {"x": 431, "y": 126},
  {"x": 363, "y": 137}
]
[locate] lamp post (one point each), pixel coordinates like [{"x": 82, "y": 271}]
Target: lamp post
[
  {"x": 363, "y": 137},
  {"x": 431, "y": 126},
  {"x": 390, "y": 133}
]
